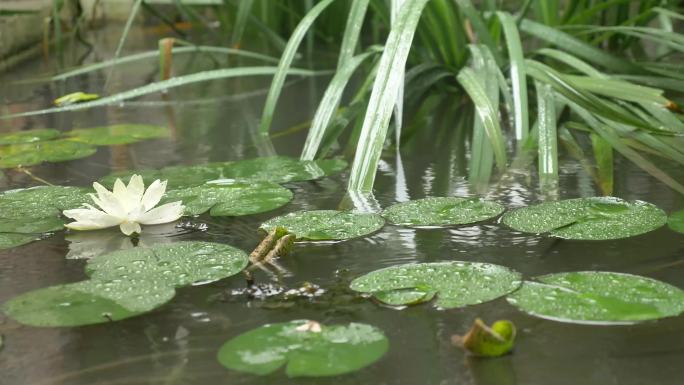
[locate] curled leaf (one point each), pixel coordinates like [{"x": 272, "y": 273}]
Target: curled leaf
[{"x": 485, "y": 341}]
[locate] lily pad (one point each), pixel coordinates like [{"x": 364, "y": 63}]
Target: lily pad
[
  {"x": 455, "y": 284},
  {"x": 176, "y": 176},
  {"x": 9, "y": 240},
  {"x": 176, "y": 264},
  {"x": 28, "y": 154},
  {"x": 281, "y": 169},
  {"x": 307, "y": 351},
  {"x": 676, "y": 221},
  {"x": 118, "y": 134},
  {"x": 596, "y": 218},
  {"x": 29, "y": 136},
  {"x": 231, "y": 198},
  {"x": 596, "y": 297},
  {"x": 442, "y": 211},
  {"x": 321, "y": 225},
  {"x": 88, "y": 302}
]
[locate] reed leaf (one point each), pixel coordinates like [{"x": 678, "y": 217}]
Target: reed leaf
[
  {"x": 603, "y": 155},
  {"x": 241, "y": 18},
  {"x": 547, "y": 138},
  {"x": 352, "y": 31},
  {"x": 518, "y": 76},
  {"x": 124, "y": 35}
]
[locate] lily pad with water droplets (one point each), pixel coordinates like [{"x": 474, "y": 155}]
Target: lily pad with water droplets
[
  {"x": 29, "y": 136},
  {"x": 676, "y": 221},
  {"x": 305, "y": 352},
  {"x": 596, "y": 297},
  {"x": 117, "y": 134},
  {"x": 88, "y": 302},
  {"x": 596, "y": 218},
  {"x": 176, "y": 264},
  {"x": 442, "y": 211},
  {"x": 29, "y": 154},
  {"x": 231, "y": 198},
  {"x": 176, "y": 176},
  {"x": 325, "y": 225},
  {"x": 281, "y": 169},
  {"x": 454, "y": 284}
]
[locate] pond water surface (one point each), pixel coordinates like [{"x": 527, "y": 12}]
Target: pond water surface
[{"x": 177, "y": 343}]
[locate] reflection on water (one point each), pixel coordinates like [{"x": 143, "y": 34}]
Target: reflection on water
[{"x": 177, "y": 344}]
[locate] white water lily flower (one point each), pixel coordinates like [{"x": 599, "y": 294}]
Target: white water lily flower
[{"x": 126, "y": 206}]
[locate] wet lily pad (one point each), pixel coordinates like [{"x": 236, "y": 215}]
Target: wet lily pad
[
  {"x": 306, "y": 349},
  {"x": 177, "y": 176},
  {"x": 321, "y": 225},
  {"x": 29, "y": 136},
  {"x": 9, "y": 240},
  {"x": 596, "y": 218},
  {"x": 176, "y": 264},
  {"x": 231, "y": 198},
  {"x": 454, "y": 284},
  {"x": 87, "y": 302},
  {"x": 676, "y": 221},
  {"x": 442, "y": 211},
  {"x": 595, "y": 297},
  {"x": 117, "y": 134},
  {"x": 281, "y": 169},
  {"x": 28, "y": 154}
]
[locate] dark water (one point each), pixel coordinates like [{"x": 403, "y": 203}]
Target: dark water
[{"x": 177, "y": 343}]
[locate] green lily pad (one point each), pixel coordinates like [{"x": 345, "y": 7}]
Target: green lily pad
[
  {"x": 595, "y": 297},
  {"x": 455, "y": 284},
  {"x": 10, "y": 240},
  {"x": 596, "y": 218},
  {"x": 676, "y": 221},
  {"x": 307, "y": 351},
  {"x": 442, "y": 211},
  {"x": 28, "y": 154},
  {"x": 321, "y": 225},
  {"x": 117, "y": 134},
  {"x": 231, "y": 198},
  {"x": 29, "y": 136},
  {"x": 281, "y": 169},
  {"x": 176, "y": 176},
  {"x": 176, "y": 264},
  {"x": 88, "y": 302}
]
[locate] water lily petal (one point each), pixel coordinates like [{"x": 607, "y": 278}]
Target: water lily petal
[
  {"x": 107, "y": 201},
  {"x": 136, "y": 188},
  {"x": 95, "y": 218},
  {"x": 153, "y": 194},
  {"x": 84, "y": 226},
  {"x": 129, "y": 228},
  {"x": 163, "y": 214}
]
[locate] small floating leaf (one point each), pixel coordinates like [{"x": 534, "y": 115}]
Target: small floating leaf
[
  {"x": 280, "y": 169},
  {"x": 176, "y": 176},
  {"x": 676, "y": 221},
  {"x": 28, "y": 154},
  {"x": 442, "y": 211},
  {"x": 231, "y": 198},
  {"x": 596, "y": 297},
  {"x": 595, "y": 218},
  {"x": 484, "y": 341},
  {"x": 88, "y": 302},
  {"x": 307, "y": 348},
  {"x": 117, "y": 134},
  {"x": 75, "y": 97},
  {"x": 29, "y": 136},
  {"x": 320, "y": 225},
  {"x": 176, "y": 264},
  {"x": 456, "y": 284}
]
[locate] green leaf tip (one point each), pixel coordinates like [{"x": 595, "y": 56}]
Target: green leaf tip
[{"x": 488, "y": 341}]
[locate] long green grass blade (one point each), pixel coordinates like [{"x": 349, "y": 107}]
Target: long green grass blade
[
  {"x": 547, "y": 138},
  {"x": 480, "y": 27},
  {"x": 572, "y": 61},
  {"x": 352, "y": 31},
  {"x": 168, "y": 84},
  {"x": 518, "y": 76},
  {"x": 241, "y": 18},
  {"x": 383, "y": 96},
  {"x": 603, "y": 155},
  {"x": 619, "y": 89},
  {"x": 399, "y": 103},
  {"x": 124, "y": 35},
  {"x": 286, "y": 62}
]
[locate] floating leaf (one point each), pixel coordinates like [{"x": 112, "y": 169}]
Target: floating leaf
[
  {"x": 320, "y": 225},
  {"x": 117, "y": 134},
  {"x": 88, "y": 302},
  {"x": 280, "y": 169},
  {"x": 307, "y": 348},
  {"x": 28, "y": 154},
  {"x": 176, "y": 264},
  {"x": 29, "y": 136},
  {"x": 595, "y": 218},
  {"x": 595, "y": 297},
  {"x": 9, "y": 240},
  {"x": 231, "y": 198},
  {"x": 75, "y": 97},
  {"x": 484, "y": 341},
  {"x": 176, "y": 176},
  {"x": 442, "y": 211},
  {"x": 676, "y": 221},
  {"x": 455, "y": 284}
]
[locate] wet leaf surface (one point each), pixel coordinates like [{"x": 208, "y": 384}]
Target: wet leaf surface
[
  {"x": 29, "y": 136},
  {"x": 453, "y": 284},
  {"x": 596, "y": 218},
  {"x": 305, "y": 349},
  {"x": 676, "y": 221},
  {"x": 280, "y": 169},
  {"x": 442, "y": 211},
  {"x": 117, "y": 134},
  {"x": 320, "y": 225},
  {"x": 594, "y": 297},
  {"x": 485, "y": 341},
  {"x": 177, "y": 176},
  {"x": 28, "y": 154}
]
